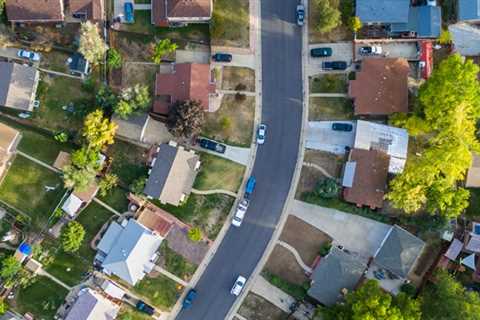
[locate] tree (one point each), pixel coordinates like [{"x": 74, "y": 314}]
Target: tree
[
  {"x": 445, "y": 37},
  {"x": 106, "y": 98},
  {"x": 86, "y": 158},
  {"x": 134, "y": 99},
  {"x": 195, "y": 234},
  {"x": 162, "y": 48},
  {"x": 9, "y": 270},
  {"x": 91, "y": 44},
  {"x": 124, "y": 109},
  {"x": 3, "y": 307},
  {"x": 78, "y": 178},
  {"x": 72, "y": 236},
  {"x": 2, "y": 6},
  {"x": 98, "y": 131},
  {"x": 446, "y": 298},
  {"x": 186, "y": 118},
  {"x": 108, "y": 182},
  {"x": 370, "y": 302},
  {"x": 138, "y": 185},
  {"x": 355, "y": 23},
  {"x": 327, "y": 188},
  {"x": 61, "y": 137},
  {"x": 328, "y": 17},
  {"x": 114, "y": 58}
]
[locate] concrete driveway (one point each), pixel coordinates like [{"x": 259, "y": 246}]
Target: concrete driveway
[
  {"x": 197, "y": 56},
  {"x": 235, "y": 154},
  {"x": 397, "y": 49},
  {"x": 320, "y": 136},
  {"x": 341, "y": 51},
  {"x": 238, "y": 60},
  {"x": 355, "y": 233}
]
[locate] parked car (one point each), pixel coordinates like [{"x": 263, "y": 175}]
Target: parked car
[
  {"x": 261, "y": 132},
  {"x": 251, "y": 183},
  {"x": 32, "y": 56},
  {"x": 300, "y": 15},
  {"x": 334, "y": 65},
  {"x": 128, "y": 8},
  {"x": 145, "y": 308},
  {"x": 340, "y": 126},
  {"x": 240, "y": 213},
  {"x": 370, "y": 50},
  {"x": 212, "y": 145},
  {"x": 321, "y": 52},
  {"x": 187, "y": 302},
  {"x": 222, "y": 57},
  {"x": 238, "y": 285}
]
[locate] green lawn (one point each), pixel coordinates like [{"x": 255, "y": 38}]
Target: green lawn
[
  {"x": 129, "y": 313},
  {"x": 321, "y": 108},
  {"x": 42, "y": 298},
  {"x": 295, "y": 290},
  {"x": 230, "y": 23},
  {"x": 329, "y": 83},
  {"x": 175, "y": 263},
  {"x": 55, "y": 60},
  {"x": 128, "y": 161},
  {"x": 116, "y": 198},
  {"x": 218, "y": 173},
  {"x": 160, "y": 291},
  {"x": 24, "y": 188}
]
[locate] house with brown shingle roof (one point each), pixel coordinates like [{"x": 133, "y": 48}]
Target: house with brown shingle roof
[
  {"x": 165, "y": 12},
  {"x": 380, "y": 87},
  {"x": 35, "y": 11},
  {"x": 365, "y": 178},
  {"x": 188, "y": 81},
  {"x": 83, "y": 10}
]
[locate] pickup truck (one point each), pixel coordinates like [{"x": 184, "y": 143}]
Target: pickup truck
[{"x": 250, "y": 187}]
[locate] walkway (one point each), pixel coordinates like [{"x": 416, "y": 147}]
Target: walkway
[
  {"x": 272, "y": 294},
  {"x": 329, "y": 95},
  {"x": 56, "y": 73},
  {"x": 317, "y": 167},
  {"x": 246, "y": 93},
  {"x": 42, "y": 272},
  {"x": 39, "y": 162},
  {"x": 170, "y": 275},
  {"x": 106, "y": 206},
  {"x": 215, "y": 191},
  {"x": 296, "y": 255}
]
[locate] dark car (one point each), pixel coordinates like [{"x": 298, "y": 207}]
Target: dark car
[
  {"x": 222, "y": 57},
  {"x": 212, "y": 145},
  {"x": 321, "y": 52},
  {"x": 334, "y": 65},
  {"x": 187, "y": 302},
  {"x": 339, "y": 126},
  {"x": 128, "y": 7},
  {"x": 145, "y": 308}
]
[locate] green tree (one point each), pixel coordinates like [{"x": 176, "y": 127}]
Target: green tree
[
  {"x": 195, "y": 234},
  {"x": 163, "y": 48},
  {"x": 72, "y": 236},
  {"x": 185, "y": 119},
  {"x": 108, "y": 182},
  {"x": 445, "y": 37},
  {"x": 2, "y": 6},
  {"x": 98, "y": 130},
  {"x": 106, "y": 98},
  {"x": 114, "y": 59},
  {"x": 138, "y": 185},
  {"x": 124, "y": 109},
  {"x": 91, "y": 44},
  {"x": 327, "y": 188},
  {"x": 9, "y": 270},
  {"x": 86, "y": 158},
  {"x": 61, "y": 137},
  {"x": 3, "y": 307},
  {"x": 355, "y": 23},
  {"x": 446, "y": 298},
  {"x": 328, "y": 17},
  {"x": 78, "y": 178},
  {"x": 134, "y": 99}
]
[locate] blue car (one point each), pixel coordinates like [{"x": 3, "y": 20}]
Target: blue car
[
  {"x": 187, "y": 302},
  {"x": 128, "y": 8}
]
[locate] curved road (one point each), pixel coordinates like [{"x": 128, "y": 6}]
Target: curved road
[{"x": 242, "y": 248}]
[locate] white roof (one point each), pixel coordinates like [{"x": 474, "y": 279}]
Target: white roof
[
  {"x": 474, "y": 243},
  {"x": 470, "y": 262},
  {"x": 466, "y": 38},
  {"x": 349, "y": 174},
  {"x": 72, "y": 205},
  {"x": 112, "y": 290},
  {"x": 454, "y": 249},
  {"x": 91, "y": 305}
]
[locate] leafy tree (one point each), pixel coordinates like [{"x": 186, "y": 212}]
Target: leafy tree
[
  {"x": 108, "y": 182},
  {"x": 327, "y": 188},
  {"x": 136, "y": 98},
  {"x": 446, "y": 298},
  {"x": 195, "y": 234},
  {"x": 370, "y": 302},
  {"x": 124, "y": 109},
  {"x": 86, "y": 158},
  {"x": 355, "y": 23},
  {"x": 106, "y": 98},
  {"x": 162, "y": 48},
  {"x": 91, "y": 44},
  {"x": 186, "y": 118},
  {"x": 78, "y": 178},
  {"x": 9, "y": 270},
  {"x": 445, "y": 37},
  {"x": 98, "y": 130},
  {"x": 72, "y": 236},
  {"x": 3, "y": 307},
  {"x": 328, "y": 17},
  {"x": 138, "y": 185},
  {"x": 2, "y": 6},
  {"x": 114, "y": 58}
]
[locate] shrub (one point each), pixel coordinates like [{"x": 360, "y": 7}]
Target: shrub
[
  {"x": 195, "y": 234},
  {"x": 325, "y": 249},
  {"x": 327, "y": 188}
]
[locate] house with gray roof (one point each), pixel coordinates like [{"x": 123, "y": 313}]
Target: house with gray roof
[
  {"x": 18, "y": 86},
  {"x": 173, "y": 171},
  {"x": 337, "y": 273},
  {"x": 91, "y": 305},
  {"x": 128, "y": 250},
  {"x": 468, "y": 10}
]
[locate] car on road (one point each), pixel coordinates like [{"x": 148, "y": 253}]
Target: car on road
[
  {"x": 222, "y": 57},
  {"x": 238, "y": 285},
  {"x": 300, "y": 15},
  {"x": 32, "y": 56},
  {"x": 370, "y": 50},
  {"x": 261, "y": 132},
  {"x": 341, "y": 126},
  {"x": 128, "y": 9},
  {"x": 321, "y": 52},
  {"x": 240, "y": 213},
  {"x": 334, "y": 65},
  {"x": 251, "y": 183},
  {"x": 212, "y": 145},
  {"x": 187, "y": 302},
  {"x": 145, "y": 308}
]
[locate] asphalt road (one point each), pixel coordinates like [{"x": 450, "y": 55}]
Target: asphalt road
[{"x": 242, "y": 248}]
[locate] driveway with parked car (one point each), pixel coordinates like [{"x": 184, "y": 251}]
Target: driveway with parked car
[
  {"x": 340, "y": 51},
  {"x": 235, "y": 154},
  {"x": 398, "y": 49},
  {"x": 330, "y": 136}
]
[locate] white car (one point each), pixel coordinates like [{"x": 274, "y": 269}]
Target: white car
[
  {"x": 261, "y": 132},
  {"x": 240, "y": 213},
  {"x": 238, "y": 286},
  {"x": 33, "y": 56}
]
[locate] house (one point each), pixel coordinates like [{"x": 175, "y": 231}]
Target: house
[
  {"x": 78, "y": 65},
  {"x": 166, "y": 12},
  {"x": 83, "y": 10},
  {"x": 473, "y": 175},
  {"x": 33, "y": 11},
  {"x": 112, "y": 290},
  {"x": 128, "y": 250},
  {"x": 22, "y": 252},
  {"x": 335, "y": 275},
  {"x": 63, "y": 159},
  {"x": 380, "y": 87},
  {"x": 188, "y": 81},
  {"x": 9, "y": 139},
  {"x": 173, "y": 171},
  {"x": 465, "y": 38},
  {"x": 468, "y": 10},
  {"x": 141, "y": 128},
  {"x": 423, "y": 21},
  {"x": 382, "y": 11},
  {"x": 91, "y": 305},
  {"x": 18, "y": 86},
  {"x": 365, "y": 178},
  {"x": 391, "y": 140}
]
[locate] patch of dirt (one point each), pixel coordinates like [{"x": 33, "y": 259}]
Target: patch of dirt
[
  {"x": 332, "y": 163},
  {"x": 132, "y": 50},
  {"x": 309, "y": 177},
  {"x": 238, "y": 78},
  {"x": 283, "y": 264},
  {"x": 425, "y": 261},
  {"x": 255, "y": 307},
  {"x": 305, "y": 238},
  {"x": 139, "y": 73}
]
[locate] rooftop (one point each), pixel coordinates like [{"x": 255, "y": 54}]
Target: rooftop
[
  {"x": 91, "y": 305},
  {"x": 8, "y": 139},
  {"x": 383, "y": 11},
  {"x": 17, "y": 86},
  {"x": 468, "y": 10},
  {"x": 164, "y": 10},
  {"x": 35, "y": 11},
  {"x": 91, "y": 9}
]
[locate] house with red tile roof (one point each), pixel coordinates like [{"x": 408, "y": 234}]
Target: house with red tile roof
[
  {"x": 165, "y": 12},
  {"x": 35, "y": 11}
]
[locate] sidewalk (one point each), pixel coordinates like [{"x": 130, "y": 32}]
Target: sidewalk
[{"x": 272, "y": 294}]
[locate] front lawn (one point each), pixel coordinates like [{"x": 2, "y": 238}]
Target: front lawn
[
  {"x": 129, "y": 313},
  {"x": 24, "y": 187},
  {"x": 161, "y": 291},
  {"x": 230, "y": 25},
  {"x": 218, "y": 173},
  {"x": 233, "y": 122},
  {"x": 321, "y": 108},
  {"x": 175, "y": 263},
  {"x": 238, "y": 78},
  {"x": 341, "y": 33},
  {"x": 42, "y": 298},
  {"x": 128, "y": 161},
  {"x": 329, "y": 83}
]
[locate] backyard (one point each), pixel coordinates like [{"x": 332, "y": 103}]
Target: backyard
[
  {"x": 321, "y": 108},
  {"x": 230, "y": 23},
  {"x": 233, "y": 122},
  {"x": 218, "y": 173},
  {"x": 139, "y": 73},
  {"x": 159, "y": 291},
  {"x": 128, "y": 161},
  {"x": 55, "y": 60}
]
